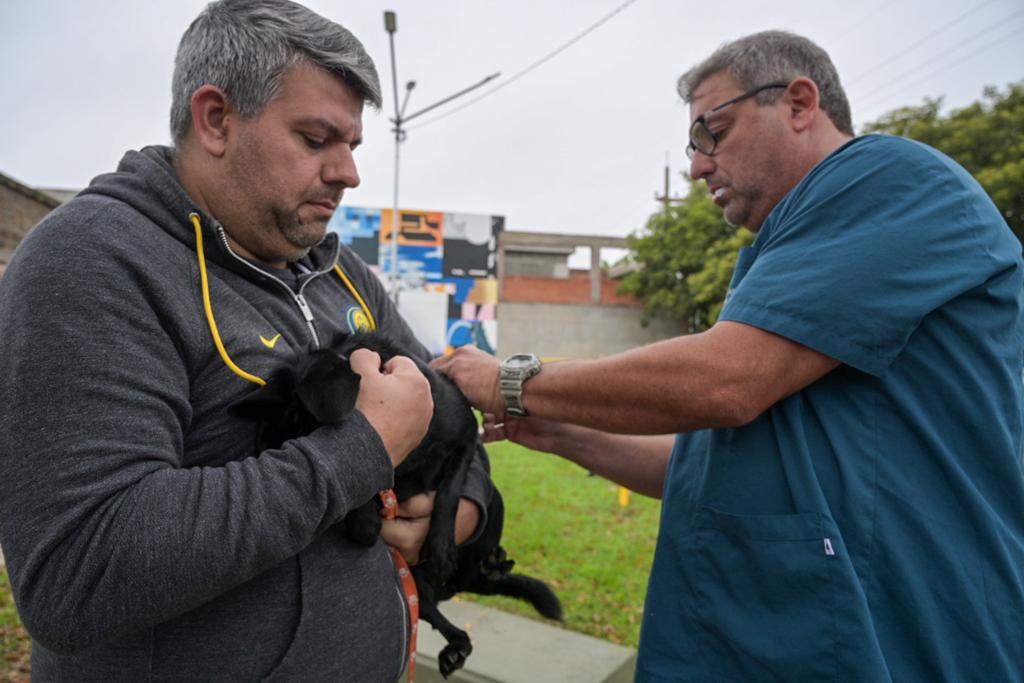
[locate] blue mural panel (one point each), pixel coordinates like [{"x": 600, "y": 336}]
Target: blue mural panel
[
  {"x": 416, "y": 265},
  {"x": 359, "y": 228},
  {"x": 453, "y": 253}
]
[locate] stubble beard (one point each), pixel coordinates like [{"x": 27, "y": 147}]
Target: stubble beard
[
  {"x": 301, "y": 234},
  {"x": 747, "y": 195},
  {"x": 731, "y": 222},
  {"x": 248, "y": 171},
  {"x": 737, "y": 211}
]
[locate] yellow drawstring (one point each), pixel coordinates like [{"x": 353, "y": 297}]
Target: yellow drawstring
[
  {"x": 209, "y": 308},
  {"x": 352, "y": 288}
]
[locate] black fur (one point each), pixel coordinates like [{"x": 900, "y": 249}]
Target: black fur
[{"x": 322, "y": 390}]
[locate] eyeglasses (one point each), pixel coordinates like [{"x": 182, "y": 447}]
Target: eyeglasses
[{"x": 702, "y": 138}]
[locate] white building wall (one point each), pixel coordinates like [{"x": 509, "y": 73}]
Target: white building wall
[{"x": 575, "y": 330}]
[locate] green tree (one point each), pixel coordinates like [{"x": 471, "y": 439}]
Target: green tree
[
  {"x": 687, "y": 255},
  {"x": 986, "y": 138}
]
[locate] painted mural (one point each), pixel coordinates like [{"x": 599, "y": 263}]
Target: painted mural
[{"x": 447, "y": 269}]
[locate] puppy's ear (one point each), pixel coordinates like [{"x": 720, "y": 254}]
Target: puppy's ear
[{"x": 329, "y": 390}]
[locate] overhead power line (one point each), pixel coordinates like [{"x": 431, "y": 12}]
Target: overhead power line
[
  {"x": 949, "y": 65},
  {"x": 895, "y": 81},
  {"x": 546, "y": 58},
  {"x": 848, "y": 30},
  {"x": 920, "y": 42}
]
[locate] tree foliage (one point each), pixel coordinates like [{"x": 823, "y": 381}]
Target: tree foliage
[
  {"x": 688, "y": 254},
  {"x": 986, "y": 138}
]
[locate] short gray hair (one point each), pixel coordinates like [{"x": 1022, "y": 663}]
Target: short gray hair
[
  {"x": 774, "y": 56},
  {"x": 245, "y": 47}
]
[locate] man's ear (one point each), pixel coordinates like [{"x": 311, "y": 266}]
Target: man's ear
[
  {"x": 211, "y": 111},
  {"x": 802, "y": 98}
]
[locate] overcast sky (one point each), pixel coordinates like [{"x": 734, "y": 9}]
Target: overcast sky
[{"x": 576, "y": 146}]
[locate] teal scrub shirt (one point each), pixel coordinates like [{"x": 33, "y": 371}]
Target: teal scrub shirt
[{"x": 871, "y": 526}]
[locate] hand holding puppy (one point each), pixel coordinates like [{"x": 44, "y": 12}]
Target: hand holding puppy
[
  {"x": 395, "y": 398},
  {"x": 476, "y": 373}
]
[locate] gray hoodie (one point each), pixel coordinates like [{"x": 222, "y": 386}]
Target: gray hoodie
[{"x": 145, "y": 538}]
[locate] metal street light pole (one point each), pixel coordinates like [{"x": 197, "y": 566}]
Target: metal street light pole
[{"x": 391, "y": 26}]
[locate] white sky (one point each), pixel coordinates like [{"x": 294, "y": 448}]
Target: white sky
[{"x": 576, "y": 146}]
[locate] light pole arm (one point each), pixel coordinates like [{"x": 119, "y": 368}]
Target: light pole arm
[{"x": 437, "y": 104}]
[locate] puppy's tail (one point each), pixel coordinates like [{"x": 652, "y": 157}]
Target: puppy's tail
[{"x": 534, "y": 591}]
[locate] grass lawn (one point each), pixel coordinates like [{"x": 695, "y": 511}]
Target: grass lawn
[
  {"x": 14, "y": 642},
  {"x": 567, "y": 528},
  {"x": 561, "y": 525}
]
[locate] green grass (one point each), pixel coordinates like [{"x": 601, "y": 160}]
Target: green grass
[
  {"x": 561, "y": 525},
  {"x": 567, "y": 528},
  {"x": 14, "y": 642}
]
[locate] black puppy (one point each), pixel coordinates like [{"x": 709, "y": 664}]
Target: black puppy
[{"x": 322, "y": 389}]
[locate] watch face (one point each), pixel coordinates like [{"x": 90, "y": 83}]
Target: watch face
[{"x": 520, "y": 361}]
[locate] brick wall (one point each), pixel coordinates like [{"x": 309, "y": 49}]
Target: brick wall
[
  {"x": 18, "y": 213},
  {"x": 21, "y": 208},
  {"x": 572, "y": 290}
]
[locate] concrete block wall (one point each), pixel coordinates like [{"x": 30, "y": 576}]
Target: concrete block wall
[{"x": 575, "y": 330}]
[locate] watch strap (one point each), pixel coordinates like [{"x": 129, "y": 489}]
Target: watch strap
[{"x": 515, "y": 370}]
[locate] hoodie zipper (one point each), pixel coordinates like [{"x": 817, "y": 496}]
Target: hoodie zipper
[
  {"x": 307, "y": 313},
  {"x": 298, "y": 298},
  {"x": 403, "y": 654}
]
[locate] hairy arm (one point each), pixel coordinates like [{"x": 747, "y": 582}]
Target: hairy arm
[
  {"x": 638, "y": 462},
  {"x": 724, "y": 377}
]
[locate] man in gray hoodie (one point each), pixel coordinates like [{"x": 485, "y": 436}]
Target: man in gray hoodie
[{"x": 145, "y": 537}]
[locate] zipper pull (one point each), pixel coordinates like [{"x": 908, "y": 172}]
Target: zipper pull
[
  {"x": 307, "y": 312},
  {"x": 828, "y": 547}
]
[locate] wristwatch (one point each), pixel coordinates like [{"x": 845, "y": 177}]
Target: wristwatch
[{"x": 515, "y": 370}]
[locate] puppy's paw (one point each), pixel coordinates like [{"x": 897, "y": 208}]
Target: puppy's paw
[
  {"x": 452, "y": 657},
  {"x": 445, "y": 564},
  {"x": 496, "y": 565}
]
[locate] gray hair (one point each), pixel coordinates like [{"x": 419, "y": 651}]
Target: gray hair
[
  {"x": 245, "y": 47},
  {"x": 774, "y": 56}
]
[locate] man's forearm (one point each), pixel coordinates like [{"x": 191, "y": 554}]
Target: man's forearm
[
  {"x": 636, "y": 462},
  {"x": 677, "y": 385},
  {"x": 724, "y": 377}
]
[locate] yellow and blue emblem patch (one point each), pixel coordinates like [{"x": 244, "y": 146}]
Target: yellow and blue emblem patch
[{"x": 357, "y": 320}]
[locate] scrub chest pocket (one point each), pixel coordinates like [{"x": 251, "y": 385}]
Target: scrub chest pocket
[{"x": 766, "y": 595}]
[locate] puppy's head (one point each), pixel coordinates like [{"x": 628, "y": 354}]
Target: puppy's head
[{"x": 326, "y": 387}]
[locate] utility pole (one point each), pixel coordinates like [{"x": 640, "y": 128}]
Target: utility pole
[
  {"x": 391, "y": 26},
  {"x": 665, "y": 199}
]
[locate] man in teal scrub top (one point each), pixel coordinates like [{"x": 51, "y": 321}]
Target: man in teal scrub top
[{"x": 843, "y": 495}]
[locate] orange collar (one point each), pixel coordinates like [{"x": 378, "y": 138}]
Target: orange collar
[{"x": 390, "y": 503}]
